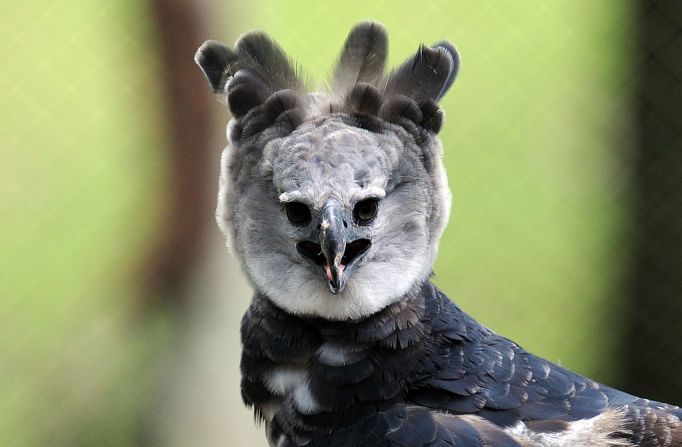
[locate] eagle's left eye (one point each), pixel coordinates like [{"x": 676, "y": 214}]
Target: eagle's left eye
[{"x": 365, "y": 211}]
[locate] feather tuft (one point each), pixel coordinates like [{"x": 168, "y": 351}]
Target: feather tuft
[
  {"x": 245, "y": 90},
  {"x": 432, "y": 116},
  {"x": 400, "y": 107},
  {"x": 214, "y": 59},
  {"x": 424, "y": 76},
  {"x": 261, "y": 69},
  {"x": 362, "y": 58},
  {"x": 450, "y": 48},
  {"x": 364, "y": 98},
  {"x": 260, "y": 54},
  {"x": 257, "y": 68}
]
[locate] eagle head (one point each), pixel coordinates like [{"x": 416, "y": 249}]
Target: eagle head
[{"x": 334, "y": 201}]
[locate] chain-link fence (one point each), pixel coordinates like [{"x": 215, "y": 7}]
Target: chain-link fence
[{"x": 563, "y": 149}]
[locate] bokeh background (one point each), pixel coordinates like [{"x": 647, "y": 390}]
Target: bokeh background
[{"x": 119, "y": 305}]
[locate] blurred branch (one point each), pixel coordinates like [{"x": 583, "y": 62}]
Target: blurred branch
[{"x": 188, "y": 124}]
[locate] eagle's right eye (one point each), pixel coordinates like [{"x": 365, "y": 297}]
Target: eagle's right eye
[
  {"x": 365, "y": 211},
  {"x": 298, "y": 213}
]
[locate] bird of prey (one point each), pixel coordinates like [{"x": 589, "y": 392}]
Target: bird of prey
[{"x": 334, "y": 202}]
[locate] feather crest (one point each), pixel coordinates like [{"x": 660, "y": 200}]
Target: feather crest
[
  {"x": 258, "y": 68},
  {"x": 362, "y": 58},
  {"x": 214, "y": 59},
  {"x": 261, "y": 55},
  {"x": 424, "y": 76}
]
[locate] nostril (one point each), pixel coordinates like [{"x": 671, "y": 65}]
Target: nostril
[
  {"x": 345, "y": 224},
  {"x": 311, "y": 251},
  {"x": 354, "y": 250}
]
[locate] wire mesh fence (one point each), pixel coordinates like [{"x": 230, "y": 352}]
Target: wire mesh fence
[{"x": 564, "y": 154}]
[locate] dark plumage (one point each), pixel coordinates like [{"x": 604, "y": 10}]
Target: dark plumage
[
  {"x": 215, "y": 59},
  {"x": 415, "y": 360},
  {"x": 346, "y": 342},
  {"x": 424, "y": 76},
  {"x": 256, "y": 69}
]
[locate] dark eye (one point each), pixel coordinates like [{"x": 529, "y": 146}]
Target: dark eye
[
  {"x": 365, "y": 211},
  {"x": 297, "y": 213}
]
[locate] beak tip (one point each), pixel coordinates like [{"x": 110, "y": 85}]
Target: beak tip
[{"x": 335, "y": 287}]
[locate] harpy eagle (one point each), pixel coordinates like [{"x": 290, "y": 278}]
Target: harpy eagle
[{"x": 334, "y": 203}]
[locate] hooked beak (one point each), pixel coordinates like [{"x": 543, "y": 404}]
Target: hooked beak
[{"x": 334, "y": 254}]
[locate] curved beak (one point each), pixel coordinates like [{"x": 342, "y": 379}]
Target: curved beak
[
  {"x": 337, "y": 252},
  {"x": 333, "y": 242}
]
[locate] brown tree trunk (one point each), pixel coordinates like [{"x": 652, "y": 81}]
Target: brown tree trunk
[
  {"x": 195, "y": 399},
  {"x": 189, "y": 125}
]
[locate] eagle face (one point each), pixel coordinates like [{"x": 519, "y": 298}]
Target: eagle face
[
  {"x": 334, "y": 219},
  {"x": 333, "y": 201}
]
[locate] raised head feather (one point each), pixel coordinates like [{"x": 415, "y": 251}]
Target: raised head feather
[
  {"x": 362, "y": 58},
  {"x": 215, "y": 59},
  {"x": 261, "y": 55},
  {"x": 425, "y": 76}
]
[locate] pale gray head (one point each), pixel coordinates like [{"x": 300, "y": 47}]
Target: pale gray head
[{"x": 333, "y": 201}]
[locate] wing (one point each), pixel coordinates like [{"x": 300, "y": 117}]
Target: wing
[{"x": 479, "y": 372}]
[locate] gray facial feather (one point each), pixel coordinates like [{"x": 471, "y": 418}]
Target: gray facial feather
[
  {"x": 320, "y": 160},
  {"x": 288, "y": 146}
]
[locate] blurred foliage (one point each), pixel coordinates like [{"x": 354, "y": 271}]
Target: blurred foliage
[
  {"x": 81, "y": 177},
  {"x": 536, "y": 147}
]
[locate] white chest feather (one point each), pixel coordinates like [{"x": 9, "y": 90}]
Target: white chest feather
[{"x": 289, "y": 384}]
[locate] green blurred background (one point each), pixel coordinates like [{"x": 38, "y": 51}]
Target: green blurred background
[{"x": 112, "y": 335}]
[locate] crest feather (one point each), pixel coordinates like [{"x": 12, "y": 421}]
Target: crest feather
[
  {"x": 362, "y": 58},
  {"x": 258, "y": 68},
  {"x": 265, "y": 59},
  {"x": 214, "y": 58},
  {"x": 425, "y": 76}
]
